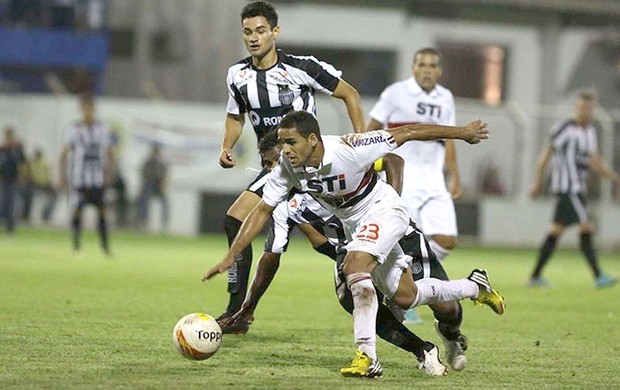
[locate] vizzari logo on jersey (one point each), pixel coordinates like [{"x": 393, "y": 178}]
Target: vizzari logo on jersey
[{"x": 364, "y": 141}]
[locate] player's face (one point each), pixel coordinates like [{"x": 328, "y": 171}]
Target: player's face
[
  {"x": 259, "y": 36},
  {"x": 269, "y": 159},
  {"x": 296, "y": 148},
  {"x": 585, "y": 108},
  {"x": 88, "y": 112},
  {"x": 427, "y": 71}
]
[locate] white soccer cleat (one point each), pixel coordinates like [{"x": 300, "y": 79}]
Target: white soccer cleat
[
  {"x": 431, "y": 363},
  {"x": 455, "y": 350}
]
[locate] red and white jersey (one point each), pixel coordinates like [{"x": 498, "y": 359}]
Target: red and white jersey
[
  {"x": 405, "y": 102},
  {"x": 345, "y": 183}
]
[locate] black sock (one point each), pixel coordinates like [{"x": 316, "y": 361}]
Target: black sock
[
  {"x": 239, "y": 273},
  {"x": 103, "y": 234},
  {"x": 76, "y": 229},
  {"x": 394, "y": 332},
  {"x": 545, "y": 253},
  {"x": 449, "y": 323},
  {"x": 588, "y": 251},
  {"x": 328, "y": 249}
]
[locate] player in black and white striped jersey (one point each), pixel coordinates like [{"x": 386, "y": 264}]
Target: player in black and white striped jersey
[
  {"x": 265, "y": 86},
  {"x": 86, "y": 168},
  {"x": 573, "y": 148}
]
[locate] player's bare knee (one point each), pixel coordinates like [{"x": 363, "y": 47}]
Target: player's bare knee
[
  {"x": 446, "y": 242},
  {"x": 358, "y": 262}
]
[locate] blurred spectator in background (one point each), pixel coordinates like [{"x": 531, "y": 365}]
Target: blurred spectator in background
[
  {"x": 11, "y": 163},
  {"x": 62, "y": 13},
  {"x": 154, "y": 181},
  {"x": 38, "y": 181},
  {"x": 23, "y": 13}
]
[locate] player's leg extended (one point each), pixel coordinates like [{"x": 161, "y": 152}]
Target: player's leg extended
[
  {"x": 102, "y": 228},
  {"x": 357, "y": 268},
  {"x": 239, "y": 273}
]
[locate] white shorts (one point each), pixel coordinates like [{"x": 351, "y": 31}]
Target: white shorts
[
  {"x": 378, "y": 233},
  {"x": 433, "y": 213}
]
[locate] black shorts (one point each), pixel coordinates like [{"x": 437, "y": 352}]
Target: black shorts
[
  {"x": 424, "y": 263},
  {"x": 256, "y": 186},
  {"x": 84, "y": 196},
  {"x": 570, "y": 209}
]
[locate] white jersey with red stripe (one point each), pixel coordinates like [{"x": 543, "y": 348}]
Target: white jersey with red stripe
[
  {"x": 405, "y": 102},
  {"x": 345, "y": 182}
]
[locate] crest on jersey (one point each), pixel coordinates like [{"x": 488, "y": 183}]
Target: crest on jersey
[{"x": 285, "y": 95}]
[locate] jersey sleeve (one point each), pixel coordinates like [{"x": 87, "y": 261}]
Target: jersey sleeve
[
  {"x": 277, "y": 186},
  {"x": 557, "y": 135},
  {"x": 279, "y": 231},
  {"x": 451, "y": 117},
  {"x": 370, "y": 146},
  {"x": 383, "y": 108},
  {"x": 235, "y": 104},
  {"x": 592, "y": 141},
  {"x": 318, "y": 75}
]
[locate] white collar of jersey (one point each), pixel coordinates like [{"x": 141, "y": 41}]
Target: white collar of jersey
[
  {"x": 326, "y": 163},
  {"x": 418, "y": 90}
]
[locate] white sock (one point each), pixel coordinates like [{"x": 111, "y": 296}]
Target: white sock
[
  {"x": 365, "y": 306},
  {"x": 440, "y": 252},
  {"x": 431, "y": 290}
]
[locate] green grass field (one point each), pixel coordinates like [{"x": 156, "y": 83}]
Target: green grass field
[{"x": 91, "y": 322}]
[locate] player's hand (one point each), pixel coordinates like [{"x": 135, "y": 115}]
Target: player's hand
[
  {"x": 226, "y": 158},
  {"x": 219, "y": 268},
  {"x": 536, "y": 189},
  {"x": 475, "y": 132}
]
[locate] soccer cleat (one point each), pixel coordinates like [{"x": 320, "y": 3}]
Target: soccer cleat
[
  {"x": 362, "y": 366},
  {"x": 538, "y": 282},
  {"x": 230, "y": 326},
  {"x": 605, "y": 280},
  {"x": 486, "y": 294},
  {"x": 412, "y": 317},
  {"x": 431, "y": 363},
  {"x": 455, "y": 349}
]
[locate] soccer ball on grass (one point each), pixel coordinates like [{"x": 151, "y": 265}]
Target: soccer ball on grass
[{"x": 197, "y": 336}]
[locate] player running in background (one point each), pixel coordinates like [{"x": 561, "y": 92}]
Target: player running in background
[
  {"x": 265, "y": 86},
  {"x": 87, "y": 166},
  {"x": 420, "y": 99},
  {"x": 573, "y": 148},
  {"x": 338, "y": 172}
]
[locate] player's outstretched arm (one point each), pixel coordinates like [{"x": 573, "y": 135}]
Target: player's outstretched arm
[
  {"x": 251, "y": 227},
  {"x": 265, "y": 272},
  {"x": 472, "y": 133},
  {"x": 393, "y": 165}
]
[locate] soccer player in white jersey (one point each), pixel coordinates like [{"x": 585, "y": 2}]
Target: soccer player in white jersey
[
  {"x": 420, "y": 99},
  {"x": 87, "y": 166},
  {"x": 265, "y": 86},
  {"x": 573, "y": 147},
  {"x": 339, "y": 173}
]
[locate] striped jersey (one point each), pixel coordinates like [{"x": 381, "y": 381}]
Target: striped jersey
[
  {"x": 302, "y": 209},
  {"x": 88, "y": 159},
  {"x": 266, "y": 95},
  {"x": 573, "y": 145},
  {"x": 403, "y": 103}
]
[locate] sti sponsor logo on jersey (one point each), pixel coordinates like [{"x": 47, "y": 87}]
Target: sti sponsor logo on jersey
[
  {"x": 328, "y": 182},
  {"x": 432, "y": 110}
]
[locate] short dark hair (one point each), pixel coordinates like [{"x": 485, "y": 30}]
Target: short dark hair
[
  {"x": 587, "y": 95},
  {"x": 303, "y": 121},
  {"x": 431, "y": 51},
  {"x": 261, "y": 8},
  {"x": 269, "y": 141}
]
